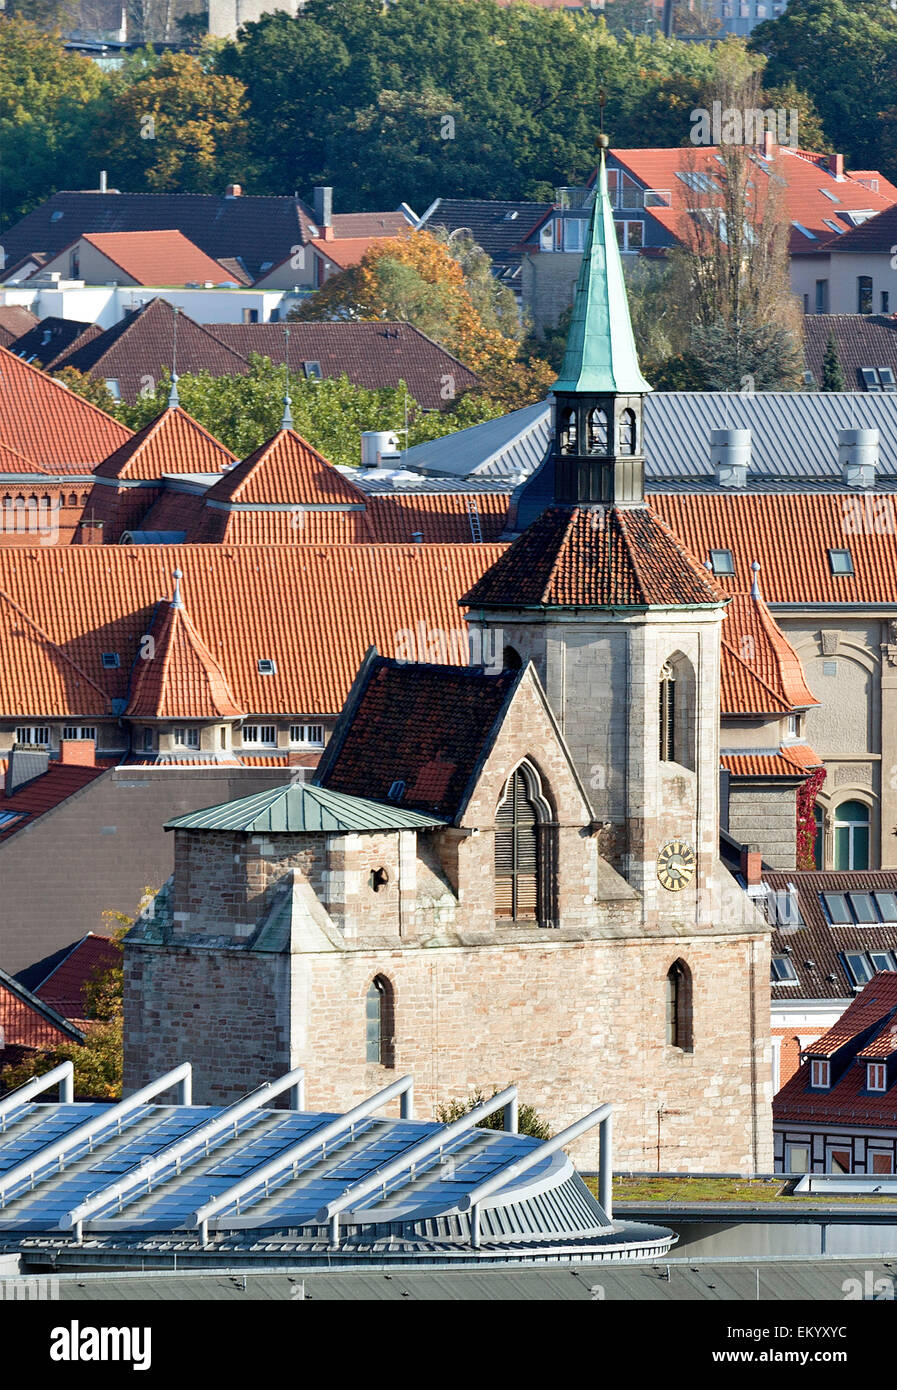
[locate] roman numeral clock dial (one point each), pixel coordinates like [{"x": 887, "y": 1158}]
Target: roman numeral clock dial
[{"x": 676, "y": 865}]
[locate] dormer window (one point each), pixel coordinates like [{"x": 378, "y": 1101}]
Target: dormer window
[
  {"x": 876, "y": 1076},
  {"x": 820, "y": 1075},
  {"x": 186, "y": 738}
]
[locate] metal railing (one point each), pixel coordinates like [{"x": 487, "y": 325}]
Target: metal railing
[
  {"x": 64, "y": 1074},
  {"x": 192, "y": 1144}
]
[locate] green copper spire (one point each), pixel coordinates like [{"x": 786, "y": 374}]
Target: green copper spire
[{"x": 601, "y": 355}]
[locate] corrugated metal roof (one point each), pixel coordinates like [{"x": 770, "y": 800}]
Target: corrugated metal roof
[
  {"x": 299, "y": 807},
  {"x": 794, "y": 435}
]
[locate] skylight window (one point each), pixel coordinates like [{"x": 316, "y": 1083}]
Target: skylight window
[
  {"x": 111, "y": 661},
  {"x": 834, "y": 226},
  {"x": 887, "y": 906},
  {"x": 312, "y": 371},
  {"x": 859, "y": 966},
  {"x": 783, "y": 971},
  {"x": 721, "y": 562},
  {"x": 698, "y": 183},
  {"x": 863, "y": 907},
  {"x": 838, "y": 911},
  {"x": 826, "y": 193},
  {"x": 267, "y": 666},
  {"x": 811, "y": 236},
  {"x": 840, "y": 562},
  {"x": 397, "y": 791},
  {"x": 7, "y": 818}
]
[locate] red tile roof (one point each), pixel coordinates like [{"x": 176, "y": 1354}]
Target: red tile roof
[
  {"x": 286, "y": 469},
  {"x": 751, "y": 629},
  {"x": 158, "y": 258},
  {"x": 28, "y": 1022},
  {"x": 346, "y": 251},
  {"x": 753, "y": 525},
  {"x": 45, "y": 422},
  {"x": 45, "y": 793},
  {"x": 63, "y": 986},
  {"x": 176, "y": 676},
  {"x": 604, "y": 557},
  {"x": 172, "y": 443},
  {"x": 313, "y": 609},
  {"x": 742, "y": 690},
  {"x": 876, "y": 1003},
  {"x": 781, "y": 764},
  {"x": 425, "y": 725},
  {"x": 804, "y": 177}
]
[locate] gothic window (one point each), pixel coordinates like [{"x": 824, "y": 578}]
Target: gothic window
[
  {"x": 628, "y": 433},
  {"x": 524, "y": 869},
  {"x": 597, "y": 431},
  {"x": 380, "y": 1023},
  {"x": 568, "y": 432},
  {"x": 678, "y": 1006},
  {"x": 667, "y": 715},
  {"x": 676, "y": 715}
]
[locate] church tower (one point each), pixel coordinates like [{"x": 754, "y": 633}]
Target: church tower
[{"x": 622, "y": 624}]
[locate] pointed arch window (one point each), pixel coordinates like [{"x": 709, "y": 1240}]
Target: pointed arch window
[
  {"x": 667, "y": 715},
  {"x": 380, "y": 1023},
  {"x": 628, "y": 432},
  {"x": 679, "y": 1006},
  {"x": 597, "y": 431},
  {"x": 524, "y": 852},
  {"x": 568, "y": 432}
]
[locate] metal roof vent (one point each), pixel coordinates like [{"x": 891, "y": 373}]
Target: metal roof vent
[
  {"x": 730, "y": 456},
  {"x": 858, "y": 457}
]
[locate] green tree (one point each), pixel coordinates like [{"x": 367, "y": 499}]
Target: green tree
[
  {"x": 93, "y": 390},
  {"x": 172, "y": 125},
  {"x": 244, "y": 411},
  {"x": 50, "y": 101},
  {"x": 832, "y": 371},
  {"x": 528, "y": 1119}
]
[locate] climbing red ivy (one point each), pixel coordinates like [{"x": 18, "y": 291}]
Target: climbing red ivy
[{"x": 806, "y": 825}]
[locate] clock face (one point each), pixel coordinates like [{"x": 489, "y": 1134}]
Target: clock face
[{"x": 676, "y": 865}]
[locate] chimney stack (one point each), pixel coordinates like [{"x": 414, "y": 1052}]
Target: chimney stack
[
  {"x": 78, "y": 752},
  {"x": 234, "y": 190},
  {"x": 324, "y": 210},
  {"x": 103, "y": 181},
  {"x": 751, "y": 864},
  {"x": 836, "y": 166},
  {"x": 90, "y": 531},
  {"x": 769, "y": 145},
  {"x": 858, "y": 457},
  {"x": 730, "y": 456}
]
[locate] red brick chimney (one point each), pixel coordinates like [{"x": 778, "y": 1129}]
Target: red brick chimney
[
  {"x": 751, "y": 864},
  {"x": 836, "y": 165},
  {"x": 80, "y": 752},
  {"x": 90, "y": 532}
]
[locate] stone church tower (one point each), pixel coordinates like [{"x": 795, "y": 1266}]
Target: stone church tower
[{"x": 508, "y": 876}]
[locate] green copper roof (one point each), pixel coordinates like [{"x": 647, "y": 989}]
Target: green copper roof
[
  {"x": 601, "y": 353},
  {"x": 301, "y": 807}
]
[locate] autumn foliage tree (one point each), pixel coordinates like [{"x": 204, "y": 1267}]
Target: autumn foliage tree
[
  {"x": 416, "y": 279},
  {"x": 174, "y": 126}
]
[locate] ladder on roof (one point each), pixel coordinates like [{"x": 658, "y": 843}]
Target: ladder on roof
[{"x": 474, "y": 514}]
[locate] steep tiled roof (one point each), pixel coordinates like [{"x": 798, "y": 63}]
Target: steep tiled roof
[
  {"x": 498, "y": 227},
  {"x": 15, "y": 320},
  {"x": 425, "y": 725},
  {"x": 816, "y": 948},
  {"x": 177, "y": 677},
  {"x": 44, "y": 793},
  {"x": 742, "y": 690},
  {"x": 804, "y": 177},
  {"x": 763, "y": 646},
  {"x": 345, "y": 251},
  {"x": 141, "y": 346},
  {"x": 61, "y": 432},
  {"x": 781, "y": 764},
  {"x": 157, "y": 258},
  {"x": 286, "y": 470},
  {"x": 753, "y": 526},
  {"x": 29, "y": 1022},
  {"x": 862, "y": 340},
  {"x": 313, "y": 610},
  {"x": 347, "y": 225},
  {"x": 47, "y": 339},
  {"x": 374, "y": 355},
  {"x": 596, "y": 557},
  {"x": 172, "y": 443},
  {"x": 875, "y": 237},
  {"x": 848, "y": 1101},
  {"x": 62, "y": 986}
]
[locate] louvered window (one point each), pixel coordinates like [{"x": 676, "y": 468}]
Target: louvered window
[
  {"x": 667, "y": 716},
  {"x": 597, "y": 431},
  {"x": 523, "y": 868}
]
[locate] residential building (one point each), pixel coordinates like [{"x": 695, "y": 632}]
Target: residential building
[
  {"x": 866, "y": 345},
  {"x": 140, "y": 258},
  {"x": 500, "y": 228},
  {"x": 838, "y": 1113},
  {"x": 852, "y": 271}
]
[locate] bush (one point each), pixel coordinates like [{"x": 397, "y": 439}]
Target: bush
[{"x": 528, "y": 1120}]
